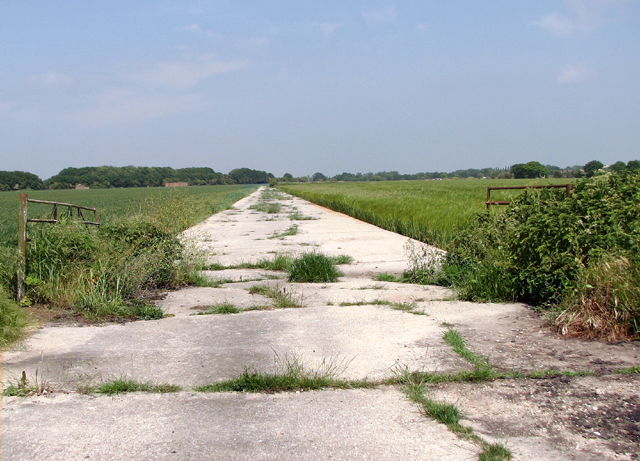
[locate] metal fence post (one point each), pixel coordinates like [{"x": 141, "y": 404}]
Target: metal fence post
[{"x": 22, "y": 246}]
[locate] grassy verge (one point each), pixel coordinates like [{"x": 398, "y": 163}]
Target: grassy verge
[{"x": 106, "y": 273}]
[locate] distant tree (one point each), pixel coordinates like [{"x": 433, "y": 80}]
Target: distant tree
[
  {"x": 592, "y": 167},
  {"x": 18, "y": 180},
  {"x": 558, "y": 174},
  {"x": 249, "y": 176},
  {"x": 319, "y": 177},
  {"x": 633, "y": 165},
  {"x": 529, "y": 170},
  {"x": 287, "y": 177},
  {"x": 619, "y": 167}
]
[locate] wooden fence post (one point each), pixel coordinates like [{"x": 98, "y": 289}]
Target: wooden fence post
[{"x": 22, "y": 246}]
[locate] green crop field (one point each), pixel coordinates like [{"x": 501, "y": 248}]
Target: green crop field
[
  {"x": 430, "y": 211},
  {"x": 113, "y": 204}
]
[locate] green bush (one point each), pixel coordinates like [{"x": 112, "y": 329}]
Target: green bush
[{"x": 314, "y": 268}]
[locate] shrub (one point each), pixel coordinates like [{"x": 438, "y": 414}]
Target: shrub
[{"x": 314, "y": 268}]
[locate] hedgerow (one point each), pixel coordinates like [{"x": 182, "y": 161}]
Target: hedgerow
[{"x": 549, "y": 250}]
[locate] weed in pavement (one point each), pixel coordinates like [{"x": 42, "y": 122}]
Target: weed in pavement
[
  {"x": 24, "y": 387},
  {"x": 314, "y": 268},
  {"x": 386, "y": 277},
  {"x": 222, "y": 308},
  {"x": 628, "y": 371},
  {"x": 292, "y": 230},
  {"x": 280, "y": 296},
  {"x": 123, "y": 385},
  {"x": 458, "y": 344},
  {"x": 290, "y": 375},
  {"x": 297, "y": 216},
  {"x": 447, "y": 414}
]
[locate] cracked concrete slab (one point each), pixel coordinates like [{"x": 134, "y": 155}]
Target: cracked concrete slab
[{"x": 378, "y": 424}]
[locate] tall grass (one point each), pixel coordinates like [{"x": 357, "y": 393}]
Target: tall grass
[
  {"x": 104, "y": 273},
  {"x": 430, "y": 211}
]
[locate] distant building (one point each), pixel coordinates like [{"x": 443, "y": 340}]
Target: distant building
[
  {"x": 81, "y": 186},
  {"x": 176, "y": 184}
]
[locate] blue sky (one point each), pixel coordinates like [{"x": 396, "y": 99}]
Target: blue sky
[{"x": 329, "y": 86}]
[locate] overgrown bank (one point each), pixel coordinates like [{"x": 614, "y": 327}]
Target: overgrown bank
[
  {"x": 578, "y": 256},
  {"x": 107, "y": 273}
]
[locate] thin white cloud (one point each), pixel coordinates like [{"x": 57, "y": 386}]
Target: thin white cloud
[
  {"x": 51, "y": 79},
  {"x": 380, "y": 16},
  {"x": 557, "y": 24},
  {"x": 185, "y": 74},
  {"x": 573, "y": 74},
  {"x": 196, "y": 29},
  {"x": 580, "y": 16},
  {"x": 329, "y": 28},
  {"x": 123, "y": 107}
]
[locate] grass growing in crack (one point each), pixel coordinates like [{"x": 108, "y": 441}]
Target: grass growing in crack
[
  {"x": 386, "y": 277},
  {"x": 292, "y": 230},
  {"x": 290, "y": 375},
  {"x": 123, "y": 385},
  {"x": 453, "y": 338},
  {"x": 280, "y": 296},
  {"x": 494, "y": 452},
  {"x": 405, "y": 307},
  {"x": 280, "y": 262},
  {"x": 628, "y": 371},
  {"x": 447, "y": 414},
  {"x": 297, "y": 216},
  {"x": 222, "y": 308},
  {"x": 372, "y": 287},
  {"x": 314, "y": 268},
  {"x": 25, "y": 387},
  {"x": 341, "y": 259},
  {"x": 269, "y": 208}
]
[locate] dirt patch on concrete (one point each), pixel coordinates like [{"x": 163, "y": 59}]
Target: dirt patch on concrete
[{"x": 586, "y": 418}]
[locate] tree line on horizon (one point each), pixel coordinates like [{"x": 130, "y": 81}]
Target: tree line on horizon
[{"x": 103, "y": 177}]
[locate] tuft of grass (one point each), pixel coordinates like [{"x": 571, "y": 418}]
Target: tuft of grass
[
  {"x": 341, "y": 259},
  {"x": 405, "y": 307},
  {"x": 269, "y": 208},
  {"x": 222, "y": 308},
  {"x": 292, "y": 230},
  {"x": 628, "y": 371},
  {"x": 297, "y": 216},
  {"x": 290, "y": 375},
  {"x": 123, "y": 385},
  {"x": 280, "y": 296},
  {"x": 495, "y": 452},
  {"x": 314, "y": 268},
  {"x": 386, "y": 277}
]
